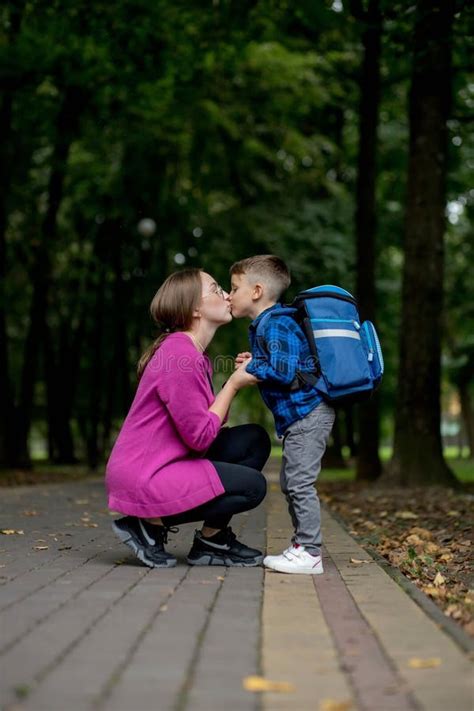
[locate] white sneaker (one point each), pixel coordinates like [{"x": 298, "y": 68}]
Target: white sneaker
[
  {"x": 269, "y": 560},
  {"x": 295, "y": 560}
]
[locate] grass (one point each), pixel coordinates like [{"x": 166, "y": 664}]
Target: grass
[{"x": 463, "y": 468}]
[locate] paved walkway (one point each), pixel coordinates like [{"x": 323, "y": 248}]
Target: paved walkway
[{"x": 84, "y": 626}]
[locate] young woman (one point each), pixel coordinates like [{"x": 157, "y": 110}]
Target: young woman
[{"x": 172, "y": 462}]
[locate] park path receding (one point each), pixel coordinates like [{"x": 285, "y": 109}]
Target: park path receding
[{"x": 84, "y": 626}]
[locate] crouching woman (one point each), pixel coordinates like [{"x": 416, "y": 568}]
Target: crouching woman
[{"x": 173, "y": 462}]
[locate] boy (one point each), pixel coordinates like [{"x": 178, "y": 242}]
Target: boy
[{"x": 301, "y": 416}]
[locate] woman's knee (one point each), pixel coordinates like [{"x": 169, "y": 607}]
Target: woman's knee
[
  {"x": 259, "y": 441},
  {"x": 260, "y": 435},
  {"x": 259, "y": 488}
]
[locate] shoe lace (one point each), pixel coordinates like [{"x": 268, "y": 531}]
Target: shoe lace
[{"x": 164, "y": 530}]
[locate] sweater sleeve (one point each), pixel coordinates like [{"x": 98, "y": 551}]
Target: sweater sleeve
[
  {"x": 185, "y": 392},
  {"x": 279, "y": 364}
]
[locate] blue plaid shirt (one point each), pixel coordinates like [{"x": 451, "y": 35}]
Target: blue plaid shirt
[{"x": 285, "y": 351}]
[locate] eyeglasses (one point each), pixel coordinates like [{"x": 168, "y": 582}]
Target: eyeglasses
[{"x": 215, "y": 289}]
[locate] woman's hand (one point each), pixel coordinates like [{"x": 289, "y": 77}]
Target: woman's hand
[
  {"x": 240, "y": 378},
  {"x": 241, "y": 358}
]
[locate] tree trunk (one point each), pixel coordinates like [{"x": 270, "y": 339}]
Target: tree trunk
[
  {"x": 41, "y": 272},
  {"x": 467, "y": 410},
  {"x": 61, "y": 372},
  {"x": 349, "y": 431},
  {"x": 368, "y": 460},
  {"x": 333, "y": 458},
  {"x": 7, "y": 406},
  {"x": 467, "y": 413},
  {"x": 418, "y": 457},
  {"x": 97, "y": 379},
  {"x": 121, "y": 301},
  {"x": 7, "y": 401}
]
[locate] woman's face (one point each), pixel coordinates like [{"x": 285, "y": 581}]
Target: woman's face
[{"x": 215, "y": 306}]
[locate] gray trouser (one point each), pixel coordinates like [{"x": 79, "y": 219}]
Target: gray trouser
[{"x": 304, "y": 444}]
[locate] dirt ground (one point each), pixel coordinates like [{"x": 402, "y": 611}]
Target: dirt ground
[{"x": 426, "y": 533}]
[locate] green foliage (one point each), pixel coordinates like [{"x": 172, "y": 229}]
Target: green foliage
[{"x": 234, "y": 127}]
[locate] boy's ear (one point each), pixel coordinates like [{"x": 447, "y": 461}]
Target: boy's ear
[{"x": 257, "y": 291}]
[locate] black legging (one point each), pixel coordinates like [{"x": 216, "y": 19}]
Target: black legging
[{"x": 238, "y": 454}]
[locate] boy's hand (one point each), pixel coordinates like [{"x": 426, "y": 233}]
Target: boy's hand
[
  {"x": 240, "y": 378},
  {"x": 243, "y": 357}
]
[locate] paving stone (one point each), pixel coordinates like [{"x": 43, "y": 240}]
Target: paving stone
[
  {"x": 81, "y": 678},
  {"x": 297, "y": 646},
  {"x": 156, "y": 673},
  {"x": 403, "y": 629},
  {"x": 230, "y": 649},
  {"x": 91, "y": 628},
  {"x": 41, "y": 650}
]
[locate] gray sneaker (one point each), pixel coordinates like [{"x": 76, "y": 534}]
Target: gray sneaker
[
  {"x": 222, "y": 549},
  {"x": 146, "y": 541}
]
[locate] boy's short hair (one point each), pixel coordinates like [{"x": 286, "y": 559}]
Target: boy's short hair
[{"x": 268, "y": 268}]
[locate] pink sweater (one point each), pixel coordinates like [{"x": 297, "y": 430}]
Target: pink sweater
[{"x": 156, "y": 467}]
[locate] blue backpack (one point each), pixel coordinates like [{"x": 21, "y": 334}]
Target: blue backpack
[{"x": 347, "y": 358}]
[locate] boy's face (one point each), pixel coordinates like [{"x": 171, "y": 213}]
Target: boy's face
[{"x": 243, "y": 296}]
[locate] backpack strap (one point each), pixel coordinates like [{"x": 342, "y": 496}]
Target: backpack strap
[
  {"x": 300, "y": 378},
  {"x": 259, "y": 333}
]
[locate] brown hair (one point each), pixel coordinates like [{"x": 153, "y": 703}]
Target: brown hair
[
  {"x": 269, "y": 268},
  {"x": 172, "y": 308}
]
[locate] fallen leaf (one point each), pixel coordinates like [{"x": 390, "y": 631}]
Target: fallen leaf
[
  {"x": 356, "y": 561},
  {"x": 259, "y": 683},
  {"x": 11, "y": 532},
  {"x": 453, "y": 611},
  {"x": 334, "y": 705},
  {"x": 40, "y": 548},
  {"x": 414, "y": 540},
  {"x": 432, "y": 591},
  {"x": 422, "y": 532},
  {"x": 29, "y": 513},
  {"x": 90, "y": 525},
  {"x": 454, "y": 513},
  {"x": 220, "y": 577},
  {"x": 396, "y": 557},
  {"x": 405, "y": 514},
  {"x": 439, "y": 580},
  {"x": 163, "y": 608},
  {"x": 429, "y": 663}
]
